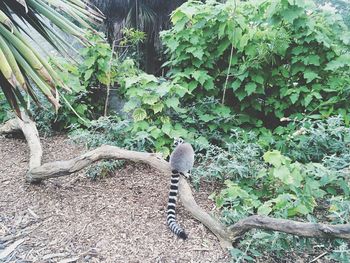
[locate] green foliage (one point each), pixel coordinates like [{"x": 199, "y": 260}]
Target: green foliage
[
  {"x": 339, "y": 210},
  {"x": 4, "y": 108},
  {"x": 259, "y": 245},
  {"x": 310, "y": 140},
  {"x": 274, "y": 58},
  {"x": 112, "y": 131},
  {"x": 88, "y": 80},
  {"x": 150, "y": 101},
  {"x": 207, "y": 117},
  {"x": 286, "y": 189},
  {"x": 241, "y": 158},
  {"x": 24, "y": 72},
  {"x": 103, "y": 169}
]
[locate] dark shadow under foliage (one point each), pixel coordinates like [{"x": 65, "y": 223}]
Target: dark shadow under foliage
[{"x": 149, "y": 16}]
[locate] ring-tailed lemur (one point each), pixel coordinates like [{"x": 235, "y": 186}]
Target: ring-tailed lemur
[{"x": 181, "y": 162}]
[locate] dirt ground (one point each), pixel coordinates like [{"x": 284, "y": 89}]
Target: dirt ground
[{"x": 120, "y": 218}]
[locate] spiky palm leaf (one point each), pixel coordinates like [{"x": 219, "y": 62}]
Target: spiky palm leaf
[{"x": 20, "y": 64}]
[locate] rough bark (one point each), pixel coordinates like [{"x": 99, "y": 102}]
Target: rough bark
[
  {"x": 289, "y": 226},
  {"x": 62, "y": 168},
  {"x": 31, "y": 134},
  {"x": 226, "y": 236}
]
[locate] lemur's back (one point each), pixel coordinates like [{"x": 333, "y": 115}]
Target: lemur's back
[
  {"x": 181, "y": 162},
  {"x": 182, "y": 158}
]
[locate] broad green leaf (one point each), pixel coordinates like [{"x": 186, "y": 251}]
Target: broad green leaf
[
  {"x": 250, "y": 88},
  {"x": 131, "y": 81},
  {"x": 307, "y": 100},
  {"x": 167, "y": 128},
  {"x": 244, "y": 41},
  {"x": 310, "y": 76},
  {"x": 201, "y": 140},
  {"x": 139, "y": 114},
  {"x": 274, "y": 157},
  {"x": 283, "y": 173},
  {"x": 155, "y": 132},
  {"x": 130, "y": 105},
  {"x": 172, "y": 44},
  {"x": 302, "y": 209},
  {"x": 146, "y": 78},
  {"x": 158, "y": 107},
  {"x": 206, "y": 117},
  {"x": 172, "y": 102},
  {"x": 89, "y": 62},
  {"x": 200, "y": 75},
  {"x": 341, "y": 61},
  {"x": 265, "y": 209},
  {"x": 197, "y": 52},
  {"x": 236, "y": 84},
  {"x": 150, "y": 99},
  {"x": 240, "y": 94},
  {"x": 258, "y": 78},
  {"x": 88, "y": 74},
  {"x": 312, "y": 60},
  {"x": 164, "y": 151},
  {"x": 294, "y": 97}
]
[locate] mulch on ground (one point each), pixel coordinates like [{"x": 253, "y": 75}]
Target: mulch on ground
[{"x": 119, "y": 218}]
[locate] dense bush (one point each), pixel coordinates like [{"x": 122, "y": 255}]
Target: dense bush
[{"x": 266, "y": 60}]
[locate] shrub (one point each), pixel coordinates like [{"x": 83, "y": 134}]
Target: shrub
[{"x": 266, "y": 60}]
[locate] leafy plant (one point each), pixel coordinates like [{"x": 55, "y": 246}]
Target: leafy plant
[
  {"x": 240, "y": 158},
  {"x": 207, "y": 117},
  {"x": 266, "y": 60},
  {"x": 150, "y": 101},
  {"x": 4, "y": 108},
  {"x": 22, "y": 68},
  {"x": 90, "y": 81},
  {"x": 103, "y": 169},
  {"x": 286, "y": 189},
  {"x": 310, "y": 140}
]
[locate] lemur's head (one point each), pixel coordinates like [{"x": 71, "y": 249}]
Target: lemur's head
[{"x": 178, "y": 141}]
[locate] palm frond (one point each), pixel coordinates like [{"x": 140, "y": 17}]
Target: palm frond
[{"x": 23, "y": 71}]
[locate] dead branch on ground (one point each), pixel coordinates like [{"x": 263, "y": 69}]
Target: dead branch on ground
[{"x": 226, "y": 235}]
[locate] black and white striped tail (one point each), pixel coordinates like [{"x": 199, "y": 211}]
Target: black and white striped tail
[{"x": 171, "y": 214}]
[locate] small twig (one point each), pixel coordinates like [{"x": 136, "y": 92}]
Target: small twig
[
  {"x": 318, "y": 257},
  {"x": 200, "y": 249},
  {"x": 109, "y": 78},
  {"x": 7, "y": 251},
  {"x": 33, "y": 213},
  {"x": 227, "y": 75}
]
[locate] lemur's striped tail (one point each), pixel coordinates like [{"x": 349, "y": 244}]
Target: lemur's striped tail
[{"x": 171, "y": 214}]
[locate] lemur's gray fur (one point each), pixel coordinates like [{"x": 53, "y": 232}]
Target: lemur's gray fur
[{"x": 181, "y": 162}]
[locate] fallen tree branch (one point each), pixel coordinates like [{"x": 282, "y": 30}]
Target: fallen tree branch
[
  {"x": 202, "y": 216},
  {"x": 62, "y": 168},
  {"x": 289, "y": 226},
  {"x": 31, "y": 134},
  {"x": 226, "y": 236}
]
